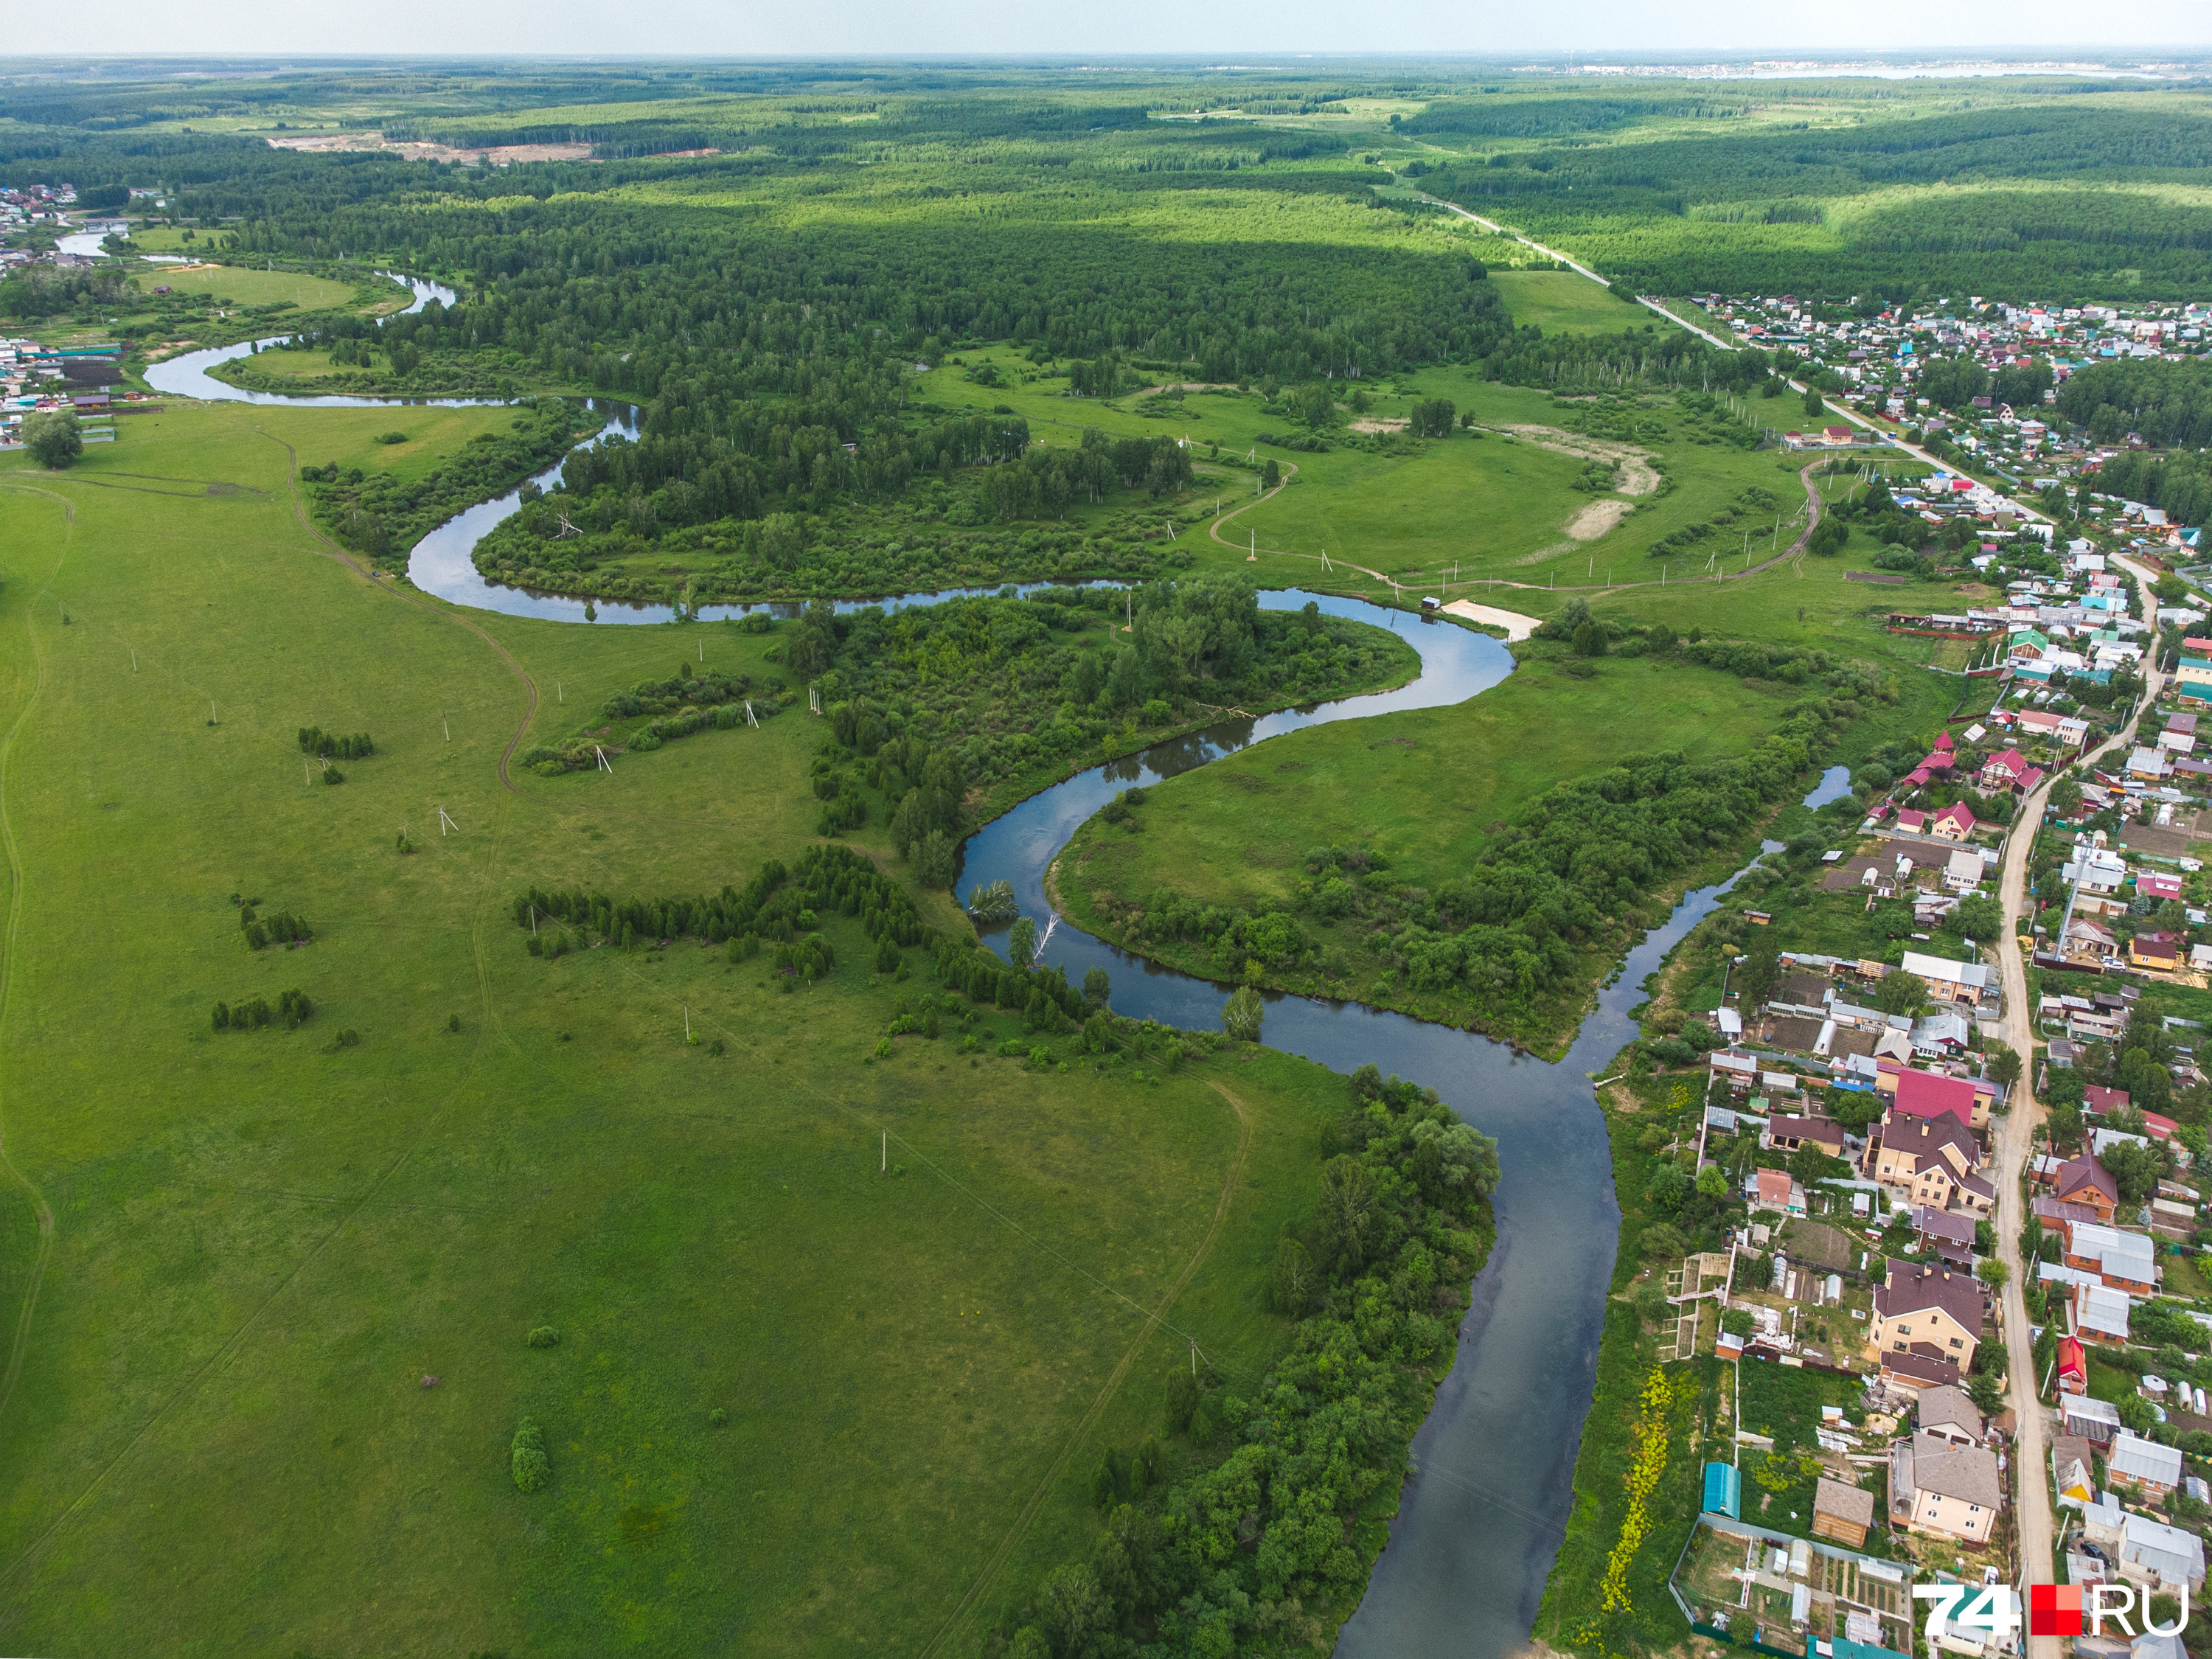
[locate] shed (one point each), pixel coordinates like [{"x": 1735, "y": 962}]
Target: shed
[{"x": 1842, "y": 1513}]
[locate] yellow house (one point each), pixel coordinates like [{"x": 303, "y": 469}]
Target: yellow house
[
  {"x": 1951, "y": 1491},
  {"x": 1934, "y": 1306}
]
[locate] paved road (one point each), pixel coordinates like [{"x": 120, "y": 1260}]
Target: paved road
[{"x": 2031, "y": 1452}]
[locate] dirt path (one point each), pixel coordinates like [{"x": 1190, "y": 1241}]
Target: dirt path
[
  {"x": 2013, "y": 1145},
  {"x": 1113, "y": 1384},
  {"x": 1638, "y": 475}
]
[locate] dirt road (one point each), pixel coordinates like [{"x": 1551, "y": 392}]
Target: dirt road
[{"x": 2014, "y": 1140}]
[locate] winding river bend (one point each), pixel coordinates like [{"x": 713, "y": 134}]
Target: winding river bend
[{"x": 1482, "y": 1517}]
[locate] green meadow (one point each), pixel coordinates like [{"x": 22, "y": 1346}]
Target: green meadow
[
  {"x": 1423, "y": 787},
  {"x": 243, "y": 285},
  {"x": 797, "y": 1402},
  {"x": 1565, "y": 303}
]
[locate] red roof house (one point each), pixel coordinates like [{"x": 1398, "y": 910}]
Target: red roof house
[
  {"x": 1955, "y": 822},
  {"x": 1924, "y": 1094}
]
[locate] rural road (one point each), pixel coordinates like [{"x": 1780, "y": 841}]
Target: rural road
[{"x": 2015, "y": 1141}]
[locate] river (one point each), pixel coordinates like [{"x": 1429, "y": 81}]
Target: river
[{"x": 1482, "y": 1517}]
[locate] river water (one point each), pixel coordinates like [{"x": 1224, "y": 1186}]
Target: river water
[{"x": 1483, "y": 1516}]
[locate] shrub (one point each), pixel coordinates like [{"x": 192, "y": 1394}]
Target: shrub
[
  {"x": 526, "y": 1457},
  {"x": 543, "y": 1337}
]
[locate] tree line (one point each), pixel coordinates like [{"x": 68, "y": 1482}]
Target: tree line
[{"x": 1373, "y": 1274}]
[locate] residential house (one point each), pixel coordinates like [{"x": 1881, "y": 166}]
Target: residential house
[
  {"x": 2161, "y": 1558},
  {"x": 2084, "y": 1182},
  {"x": 2089, "y": 944},
  {"x": 1770, "y": 1189},
  {"x": 1949, "y": 1415},
  {"x": 2100, "y": 1313},
  {"x": 1950, "y": 1492},
  {"x": 1787, "y": 1134},
  {"x": 2097, "y": 1101},
  {"x": 1929, "y": 1160},
  {"x": 1939, "y": 1307},
  {"x": 1915, "y": 1369},
  {"x": 2148, "y": 764},
  {"x": 1841, "y": 1514},
  {"x": 2143, "y": 1466},
  {"x": 2160, "y": 952},
  {"x": 2074, "y": 1470},
  {"x": 2073, "y": 1367},
  {"x": 1951, "y": 1237},
  {"x": 2093, "y": 1420},
  {"x": 1917, "y": 1093},
  {"x": 1955, "y": 822},
  {"x": 1963, "y": 870},
  {"x": 1941, "y": 1036},
  {"x": 2008, "y": 769},
  {"x": 1948, "y": 980},
  {"x": 2125, "y": 1261}
]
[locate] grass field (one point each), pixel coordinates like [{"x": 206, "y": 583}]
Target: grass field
[
  {"x": 1422, "y": 787},
  {"x": 245, "y": 286},
  {"x": 262, "y": 1243},
  {"x": 1565, "y": 303}
]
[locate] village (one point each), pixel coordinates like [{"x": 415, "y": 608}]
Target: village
[{"x": 1851, "y": 1079}]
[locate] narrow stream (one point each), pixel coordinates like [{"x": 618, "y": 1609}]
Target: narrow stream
[{"x": 1481, "y": 1520}]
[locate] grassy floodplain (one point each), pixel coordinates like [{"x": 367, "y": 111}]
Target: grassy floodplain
[{"x": 262, "y": 1242}]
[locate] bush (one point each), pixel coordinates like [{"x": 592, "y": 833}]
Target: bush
[
  {"x": 526, "y": 1457},
  {"x": 543, "y": 1337}
]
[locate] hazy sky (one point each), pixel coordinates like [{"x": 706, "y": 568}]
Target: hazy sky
[{"x": 1240, "y": 30}]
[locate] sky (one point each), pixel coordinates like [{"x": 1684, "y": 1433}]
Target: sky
[{"x": 1240, "y": 30}]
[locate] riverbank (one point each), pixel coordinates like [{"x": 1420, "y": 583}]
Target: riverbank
[{"x": 1416, "y": 864}]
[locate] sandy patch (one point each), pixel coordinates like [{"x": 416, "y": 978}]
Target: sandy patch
[
  {"x": 1593, "y": 520},
  {"x": 1517, "y": 626},
  {"x": 499, "y": 155},
  {"x": 1187, "y": 385},
  {"x": 1637, "y": 476},
  {"x": 1370, "y": 424}
]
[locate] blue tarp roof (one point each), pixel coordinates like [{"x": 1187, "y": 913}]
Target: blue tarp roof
[{"x": 1846, "y": 1649}]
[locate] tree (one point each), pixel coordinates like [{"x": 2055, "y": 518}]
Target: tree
[
  {"x": 1271, "y": 475},
  {"x": 55, "y": 439},
  {"x": 1987, "y": 1394},
  {"x": 1993, "y": 1274},
  {"x": 1095, "y": 985},
  {"x": 1900, "y": 993},
  {"x": 1347, "y": 1206},
  {"x": 1241, "y": 1016},
  {"x": 1815, "y": 406},
  {"x": 813, "y": 643},
  {"x": 1295, "y": 1278},
  {"x": 2136, "y": 1414},
  {"x": 1590, "y": 639},
  {"x": 933, "y": 860},
  {"x": 1977, "y": 919},
  {"x": 2003, "y": 1065},
  {"x": 1022, "y": 942},
  {"x": 1711, "y": 1182}
]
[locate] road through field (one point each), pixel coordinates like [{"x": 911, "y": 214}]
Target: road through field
[{"x": 2031, "y": 1509}]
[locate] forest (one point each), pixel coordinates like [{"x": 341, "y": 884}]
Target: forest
[{"x": 936, "y": 701}]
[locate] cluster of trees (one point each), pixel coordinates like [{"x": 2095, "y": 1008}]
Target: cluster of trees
[
  {"x": 292, "y": 1011},
  {"x": 1646, "y": 356},
  {"x": 1046, "y": 481},
  {"x": 1042, "y": 997},
  {"x": 383, "y": 515},
  {"x": 314, "y": 741},
  {"x": 684, "y": 703},
  {"x": 1374, "y": 1277},
  {"x": 2181, "y": 483},
  {"x": 278, "y": 927},
  {"x": 776, "y": 906},
  {"x": 1954, "y": 383},
  {"x": 1005, "y": 684}
]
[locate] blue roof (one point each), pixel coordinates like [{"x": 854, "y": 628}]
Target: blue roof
[{"x": 1723, "y": 1490}]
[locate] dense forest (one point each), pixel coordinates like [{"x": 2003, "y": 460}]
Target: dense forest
[{"x": 1004, "y": 686}]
